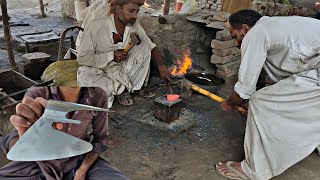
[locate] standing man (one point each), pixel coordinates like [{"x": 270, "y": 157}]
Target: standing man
[
  {"x": 105, "y": 64},
  {"x": 88, "y": 166},
  {"x": 283, "y": 122}
]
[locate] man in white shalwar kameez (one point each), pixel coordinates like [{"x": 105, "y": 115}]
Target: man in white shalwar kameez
[
  {"x": 96, "y": 10},
  {"x": 103, "y": 60},
  {"x": 283, "y": 122}
]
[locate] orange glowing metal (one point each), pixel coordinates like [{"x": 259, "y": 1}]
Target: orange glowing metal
[{"x": 182, "y": 65}]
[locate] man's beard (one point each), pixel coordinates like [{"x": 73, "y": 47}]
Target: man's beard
[
  {"x": 127, "y": 22},
  {"x": 241, "y": 37}
]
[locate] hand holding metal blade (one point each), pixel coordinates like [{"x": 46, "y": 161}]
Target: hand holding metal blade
[{"x": 42, "y": 142}]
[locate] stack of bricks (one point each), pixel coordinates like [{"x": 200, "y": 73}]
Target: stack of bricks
[
  {"x": 281, "y": 9},
  {"x": 210, "y": 5},
  {"x": 226, "y": 56}
]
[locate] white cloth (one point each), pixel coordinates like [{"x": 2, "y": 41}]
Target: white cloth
[
  {"x": 95, "y": 10},
  {"x": 96, "y": 53},
  {"x": 283, "y": 124}
]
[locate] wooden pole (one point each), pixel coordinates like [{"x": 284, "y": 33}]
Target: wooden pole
[
  {"x": 7, "y": 34},
  {"x": 42, "y": 14},
  {"x": 267, "y": 8},
  {"x": 166, "y": 7}
]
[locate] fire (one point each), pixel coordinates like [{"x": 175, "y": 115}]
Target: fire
[{"x": 182, "y": 65}]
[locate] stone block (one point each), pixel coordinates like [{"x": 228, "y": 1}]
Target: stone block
[
  {"x": 170, "y": 19},
  {"x": 228, "y": 66},
  {"x": 217, "y": 44},
  {"x": 228, "y": 74},
  {"x": 217, "y": 25},
  {"x": 35, "y": 57},
  {"x": 226, "y": 52},
  {"x": 192, "y": 38},
  {"x": 179, "y": 23},
  {"x": 207, "y": 42},
  {"x": 221, "y": 16},
  {"x": 166, "y": 27},
  {"x": 215, "y": 59},
  {"x": 223, "y": 35}
]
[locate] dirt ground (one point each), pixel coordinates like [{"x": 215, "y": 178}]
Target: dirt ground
[{"x": 142, "y": 152}]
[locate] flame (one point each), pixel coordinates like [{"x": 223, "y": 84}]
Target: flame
[{"x": 182, "y": 65}]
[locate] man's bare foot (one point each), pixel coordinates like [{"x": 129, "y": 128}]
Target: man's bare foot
[
  {"x": 231, "y": 170},
  {"x": 125, "y": 99}
]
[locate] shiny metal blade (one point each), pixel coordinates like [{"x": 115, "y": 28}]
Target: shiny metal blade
[{"x": 42, "y": 142}]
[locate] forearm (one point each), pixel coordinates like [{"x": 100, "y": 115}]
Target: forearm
[
  {"x": 234, "y": 99},
  {"x": 88, "y": 160},
  {"x": 156, "y": 57}
]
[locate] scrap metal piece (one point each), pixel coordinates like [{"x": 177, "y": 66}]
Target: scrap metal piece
[{"x": 42, "y": 142}]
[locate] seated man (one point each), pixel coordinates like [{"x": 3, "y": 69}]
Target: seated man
[
  {"x": 96, "y": 10},
  {"x": 105, "y": 64},
  {"x": 283, "y": 122},
  {"x": 87, "y": 166}
]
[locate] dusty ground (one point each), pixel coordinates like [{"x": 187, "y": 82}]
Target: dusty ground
[{"x": 142, "y": 152}]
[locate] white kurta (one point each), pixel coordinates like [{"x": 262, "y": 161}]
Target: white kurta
[
  {"x": 96, "y": 53},
  {"x": 96, "y": 10},
  {"x": 283, "y": 124}
]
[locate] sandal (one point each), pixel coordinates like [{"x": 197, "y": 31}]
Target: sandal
[
  {"x": 125, "y": 99},
  {"x": 148, "y": 94},
  {"x": 239, "y": 175}
]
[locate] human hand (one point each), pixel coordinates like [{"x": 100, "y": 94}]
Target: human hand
[
  {"x": 226, "y": 106},
  {"x": 80, "y": 174},
  {"x": 27, "y": 112},
  {"x": 120, "y": 55},
  {"x": 164, "y": 73}
]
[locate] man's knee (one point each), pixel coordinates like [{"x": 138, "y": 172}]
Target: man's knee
[{"x": 102, "y": 169}]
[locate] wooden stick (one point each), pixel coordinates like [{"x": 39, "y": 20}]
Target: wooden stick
[
  {"x": 213, "y": 96},
  {"x": 42, "y": 14},
  {"x": 166, "y": 7},
  {"x": 7, "y": 34}
]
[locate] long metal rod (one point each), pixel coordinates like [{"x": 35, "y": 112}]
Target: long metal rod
[
  {"x": 7, "y": 34},
  {"x": 166, "y": 7},
  {"x": 42, "y": 9},
  {"x": 46, "y": 83}
]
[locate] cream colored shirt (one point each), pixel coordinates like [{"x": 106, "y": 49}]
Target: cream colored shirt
[{"x": 283, "y": 46}]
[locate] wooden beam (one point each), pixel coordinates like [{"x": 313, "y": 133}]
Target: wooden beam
[
  {"x": 7, "y": 34},
  {"x": 166, "y": 7},
  {"x": 42, "y": 14}
]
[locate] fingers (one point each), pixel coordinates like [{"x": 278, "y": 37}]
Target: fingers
[
  {"x": 120, "y": 55},
  {"x": 20, "y": 124},
  {"x": 168, "y": 79},
  {"x": 26, "y": 112},
  {"x": 225, "y": 106},
  {"x": 42, "y": 101},
  {"x": 35, "y": 105},
  {"x": 58, "y": 126},
  {"x": 31, "y": 109}
]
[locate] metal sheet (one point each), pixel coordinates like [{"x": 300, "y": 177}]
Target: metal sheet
[{"x": 42, "y": 142}]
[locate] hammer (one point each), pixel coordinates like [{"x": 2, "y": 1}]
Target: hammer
[
  {"x": 134, "y": 40},
  {"x": 189, "y": 86}
]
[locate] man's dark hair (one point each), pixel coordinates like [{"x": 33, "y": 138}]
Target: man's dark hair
[{"x": 248, "y": 17}]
